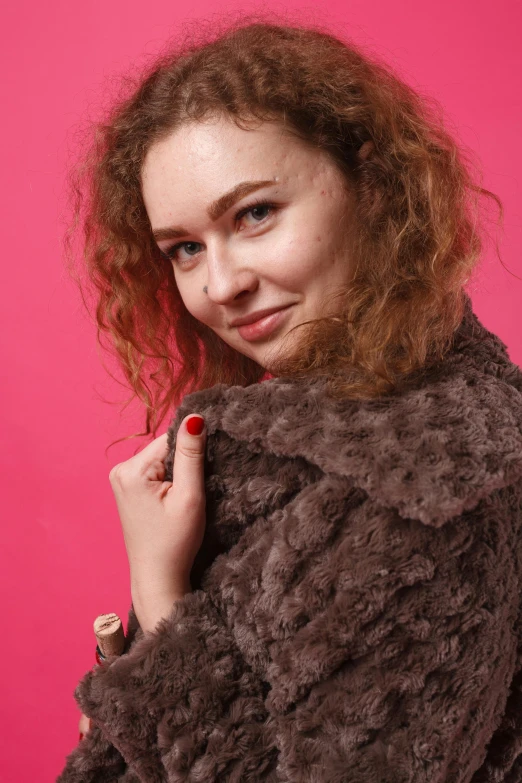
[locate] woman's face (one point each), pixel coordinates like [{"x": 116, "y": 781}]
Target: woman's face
[{"x": 291, "y": 253}]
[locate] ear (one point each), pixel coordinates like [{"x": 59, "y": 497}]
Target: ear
[{"x": 365, "y": 149}]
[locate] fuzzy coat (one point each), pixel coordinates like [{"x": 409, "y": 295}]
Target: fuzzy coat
[{"x": 356, "y": 609}]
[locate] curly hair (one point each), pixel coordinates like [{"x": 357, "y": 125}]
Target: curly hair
[{"x": 417, "y": 233}]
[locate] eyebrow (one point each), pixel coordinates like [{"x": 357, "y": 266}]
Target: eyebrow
[{"x": 217, "y": 208}]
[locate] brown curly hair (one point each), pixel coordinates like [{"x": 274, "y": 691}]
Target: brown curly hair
[{"x": 417, "y": 237}]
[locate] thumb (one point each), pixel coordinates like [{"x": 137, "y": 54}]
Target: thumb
[{"x": 187, "y": 471}]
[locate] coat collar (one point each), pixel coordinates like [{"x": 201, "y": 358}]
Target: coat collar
[{"x": 431, "y": 452}]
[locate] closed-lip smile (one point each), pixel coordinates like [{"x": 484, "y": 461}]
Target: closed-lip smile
[{"x": 256, "y": 316}]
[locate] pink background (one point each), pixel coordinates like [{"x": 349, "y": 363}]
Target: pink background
[{"x": 63, "y": 557}]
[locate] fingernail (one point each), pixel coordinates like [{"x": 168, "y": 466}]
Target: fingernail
[
  {"x": 195, "y": 425},
  {"x": 81, "y": 737}
]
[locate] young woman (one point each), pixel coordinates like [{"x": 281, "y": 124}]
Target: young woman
[{"x": 325, "y": 573}]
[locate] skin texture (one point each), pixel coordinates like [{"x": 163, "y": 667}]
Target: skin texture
[{"x": 297, "y": 253}]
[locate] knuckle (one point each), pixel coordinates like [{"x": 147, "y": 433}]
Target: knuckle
[
  {"x": 117, "y": 474},
  {"x": 113, "y": 473},
  {"x": 194, "y": 452}
]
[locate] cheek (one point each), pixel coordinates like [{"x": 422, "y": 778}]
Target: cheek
[
  {"x": 299, "y": 253},
  {"x": 198, "y": 304},
  {"x": 189, "y": 294},
  {"x": 306, "y": 257}
]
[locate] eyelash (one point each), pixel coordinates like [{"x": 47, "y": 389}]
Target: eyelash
[{"x": 170, "y": 253}]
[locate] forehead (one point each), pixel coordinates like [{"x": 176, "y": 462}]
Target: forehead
[
  {"x": 202, "y": 143},
  {"x": 204, "y": 159}
]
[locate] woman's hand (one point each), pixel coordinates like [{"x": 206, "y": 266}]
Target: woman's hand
[{"x": 163, "y": 522}]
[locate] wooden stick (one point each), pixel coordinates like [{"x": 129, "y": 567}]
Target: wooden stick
[
  {"x": 108, "y": 630},
  {"x": 110, "y": 637}
]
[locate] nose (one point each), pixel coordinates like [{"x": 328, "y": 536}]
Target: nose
[{"x": 228, "y": 276}]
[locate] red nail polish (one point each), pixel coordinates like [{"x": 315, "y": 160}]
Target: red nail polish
[
  {"x": 81, "y": 737},
  {"x": 195, "y": 425}
]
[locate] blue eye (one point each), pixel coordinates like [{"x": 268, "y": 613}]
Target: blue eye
[
  {"x": 257, "y": 205},
  {"x": 171, "y": 252}
]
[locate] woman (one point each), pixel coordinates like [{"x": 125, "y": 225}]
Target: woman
[{"x": 325, "y": 579}]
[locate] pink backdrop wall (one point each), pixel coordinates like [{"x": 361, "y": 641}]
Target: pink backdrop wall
[{"x": 63, "y": 557}]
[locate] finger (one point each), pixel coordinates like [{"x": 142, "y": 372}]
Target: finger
[
  {"x": 156, "y": 451},
  {"x": 189, "y": 458},
  {"x": 155, "y": 470}
]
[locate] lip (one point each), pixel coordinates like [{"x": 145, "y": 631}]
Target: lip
[
  {"x": 252, "y": 317},
  {"x": 263, "y": 326}
]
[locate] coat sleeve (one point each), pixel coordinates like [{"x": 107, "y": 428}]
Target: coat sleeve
[{"x": 180, "y": 704}]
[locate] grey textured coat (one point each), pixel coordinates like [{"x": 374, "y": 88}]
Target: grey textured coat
[{"x": 356, "y": 605}]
